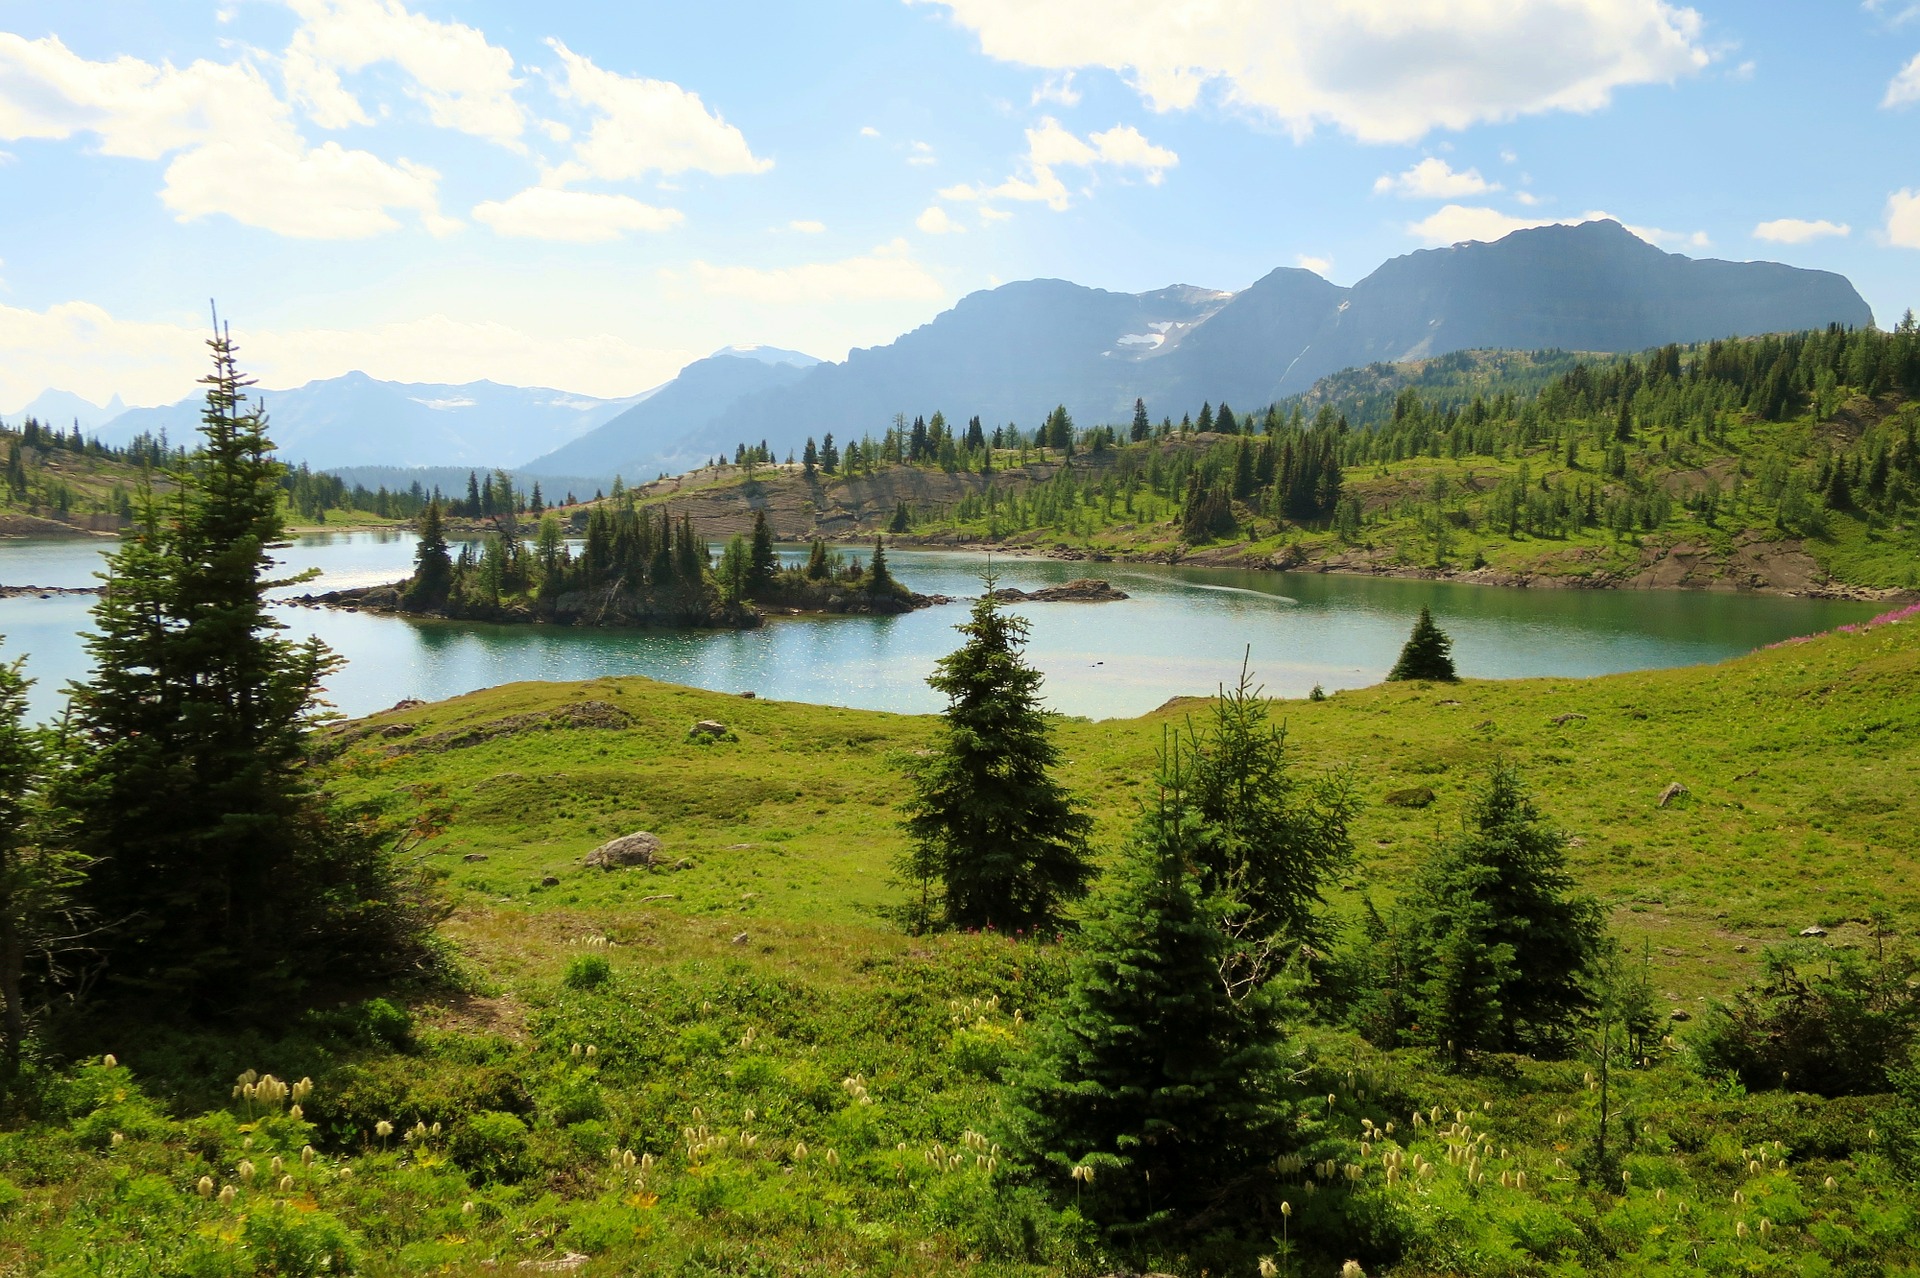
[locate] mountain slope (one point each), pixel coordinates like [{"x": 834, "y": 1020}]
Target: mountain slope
[{"x": 356, "y": 420}]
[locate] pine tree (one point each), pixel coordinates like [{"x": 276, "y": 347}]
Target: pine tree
[
  {"x": 1142, "y": 424},
  {"x": 819, "y": 568},
  {"x": 1426, "y": 654},
  {"x": 809, "y": 458},
  {"x": 1152, "y": 1075},
  {"x": 763, "y": 563},
  {"x": 994, "y": 839},
  {"x": 217, "y": 869},
  {"x": 880, "y": 580},
  {"x": 432, "y": 564}
]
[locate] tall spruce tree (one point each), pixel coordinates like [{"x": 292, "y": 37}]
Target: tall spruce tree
[
  {"x": 216, "y": 870},
  {"x": 432, "y": 564},
  {"x": 994, "y": 839},
  {"x": 1153, "y": 1074},
  {"x": 1427, "y": 653},
  {"x": 763, "y": 563}
]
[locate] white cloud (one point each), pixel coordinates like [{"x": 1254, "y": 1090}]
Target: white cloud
[
  {"x": 1382, "y": 70},
  {"x": 1049, "y": 146},
  {"x": 647, "y": 126},
  {"x": 1508, "y": 156},
  {"x": 236, "y": 151},
  {"x": 1457, "y": 222},
  {"x": 1794, "y": 230},
  {"x": 1433, "y": 179},
  {"x": 465, "y": 83},
  {"x": 1905, "y": 87},
  {"x": 1320, "y": 266},
  {"x": 936, "y": 221},
  {"x": 579, "y": 217},
  {"x": 1057, "y": 88},
  {"x": 1903, "y": 219},
  {"x": 807, "y": 226},
  {"x": 868, "y": 131},
  {"x": 921, "y": 153},
  {"x": 1527, "y": 198},
  {"x": 888, "y": 273},
  {"x": 81, "y": 347},
  {"x": 990, "y": 215}
]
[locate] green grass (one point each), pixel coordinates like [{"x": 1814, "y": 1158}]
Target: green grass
[{"x": 740, "y": 994}]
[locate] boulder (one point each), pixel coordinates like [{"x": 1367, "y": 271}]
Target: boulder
[
  {"x": 710, "y": 728},
  {"x": 1414, "y": 796},
  {"x": 1815, "y": 930},
  {"x": 474, "y": 857},
  {"x": 638, "y": 848},
  {"x": 1672, "y": 792}
]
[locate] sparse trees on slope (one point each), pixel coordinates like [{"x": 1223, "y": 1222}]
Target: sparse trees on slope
[{"x": 994, "y": 839}]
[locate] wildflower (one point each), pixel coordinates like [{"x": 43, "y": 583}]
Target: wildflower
[
  {"x": 833, "y": 1159},
  {"x": 466, "y": 1209},
  {"x": 277, "y": 1166},
  {"x": 346, "y": 1173},
  {"x": 110, "y": 1061},
  {"x": 204, "y": 1187},
  {"x": 306, "y": 1155},
  {"x": 1740, "y": 1229},
  {"x": 592, "y": 1051},
  {"x": 383, "y": 1129},
  {"x": 1267, "y": 1268},
  {"x": 227, "y": 1194},
  {"x": 245, "y": 1171},
  {"x": 117, "y": 1140},
  {"x": 1352, "y": 1269},
  {"x": 1083, "y": 1174},
  {"x": 800, "y": 1151},
  {"x": 1766, "y": 1227},
  {"x": 1830, "y": 1183},
  {"x": 296, "y": 1113},
  {"x": 286, "y": 1184},
  {"x": 1286, "y": 1209}
]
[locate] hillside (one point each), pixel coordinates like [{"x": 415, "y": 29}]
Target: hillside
[
  {"x": 1704, "y": 466},
  {"x": 1012, "y": 353},
  {"x": 795, "y": 1078}
]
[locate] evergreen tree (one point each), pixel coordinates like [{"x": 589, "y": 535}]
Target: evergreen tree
[
  {"x": 1266, "y": 839},
  {"x": 880, "y": 581},
  {"x": 1426, "y": 653},
  {"x": 473, "y": 509},
  {"x": 1152, "y": 1074},
  {"x": 763, "y": 563},
  {"x": 819, "y": 567},
  {"x": 1142, "y": 424},
  {"x": 735, "y": 573},
  {"x": 1495, "y": 940},
  {"x": 809, "y": 458},
  {"x": 219, "y": 872},
  {"x": 902, "y": 519},
  {"x": 994, "y": 839},
  {"x": 432, "y": 564}
]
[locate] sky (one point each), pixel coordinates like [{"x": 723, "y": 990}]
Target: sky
[{"x": 590, "y": 195}]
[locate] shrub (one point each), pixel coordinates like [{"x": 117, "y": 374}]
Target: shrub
[
  {"x": 384, "y": 1024},
  {"x": 299, "y": 1244},
  {"x": 492, "y": 1145},
  {"x": 586, "y": 972}
]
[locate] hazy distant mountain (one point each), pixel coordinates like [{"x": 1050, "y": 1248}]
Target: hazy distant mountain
[
  {"x": 638, "y": 441},
  {"x": 1012, "y": 353},
  {"x": 358, "y": 420},
  {"x": 63, "y": 408}
]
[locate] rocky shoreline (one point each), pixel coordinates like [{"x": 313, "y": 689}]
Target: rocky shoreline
[{"x": 614, "y": 610}]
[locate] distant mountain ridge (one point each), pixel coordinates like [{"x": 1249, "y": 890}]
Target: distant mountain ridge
[
  {"x": 1013, "y": 352},
  {"x": 357, "y": 420}
]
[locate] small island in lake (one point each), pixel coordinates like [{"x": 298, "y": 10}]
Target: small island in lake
[{"x": 634, "y": 569}]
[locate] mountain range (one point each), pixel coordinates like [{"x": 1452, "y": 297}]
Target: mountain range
[{"x": 1011, "y": 353}]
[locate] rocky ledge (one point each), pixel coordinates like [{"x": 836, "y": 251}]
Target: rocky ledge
[{"x": 1081, "y": 590}]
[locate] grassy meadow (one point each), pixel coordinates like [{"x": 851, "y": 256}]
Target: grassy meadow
[{"x": 738, "y": 1066}]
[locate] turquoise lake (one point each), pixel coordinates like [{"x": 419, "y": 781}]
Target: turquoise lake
[{"x": 1183, "y": 632}]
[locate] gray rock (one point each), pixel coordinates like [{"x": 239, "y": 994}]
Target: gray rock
[
  {"x": 551, "y": 880},
  {"x": 1815, "y": 930},
  {"x": 1672, "y": 792},
  {"x": 471, "y": 857},
  {"x": 638, "y": 848},
  {"x": 710, "y": 728},
  {"x": 740, "y": 938}
]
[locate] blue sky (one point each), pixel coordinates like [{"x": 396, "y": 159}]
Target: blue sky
[{"x": 590, "y": 195}]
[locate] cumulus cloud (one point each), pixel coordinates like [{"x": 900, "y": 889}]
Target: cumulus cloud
[
  {"x": 464, "y": 82},
  {"x": 888, "y": 273},
  {"x": 84, "y": 348},
  {"x": 579, "y": 217},
  {"x": 1458, "y": 222},
  {"x": 1903, "y": 219},
  {"x": 1904, "y": 87},
  {"x": 1381, "y": 70},
  {"x": 644, "y": 126},
  {"x": 921, "y": 153},
  {"x": 1433, "y": 179},
  {"x": 1057, "y": 88},
  {"x": 1794, "y": 230},
  {"x": 936, "y": 221},
  {"x": 807, "y": 226},
  {"x": 1320, "y": 266},
  {"x": 1051, "y": 147},
  {"x": 235, "y": 150}
]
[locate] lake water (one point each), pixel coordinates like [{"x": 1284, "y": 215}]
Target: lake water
[{"x": 1182, "y": 633}]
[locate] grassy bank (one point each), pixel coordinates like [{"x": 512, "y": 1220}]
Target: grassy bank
[{"x": 805, "y": 1090}]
